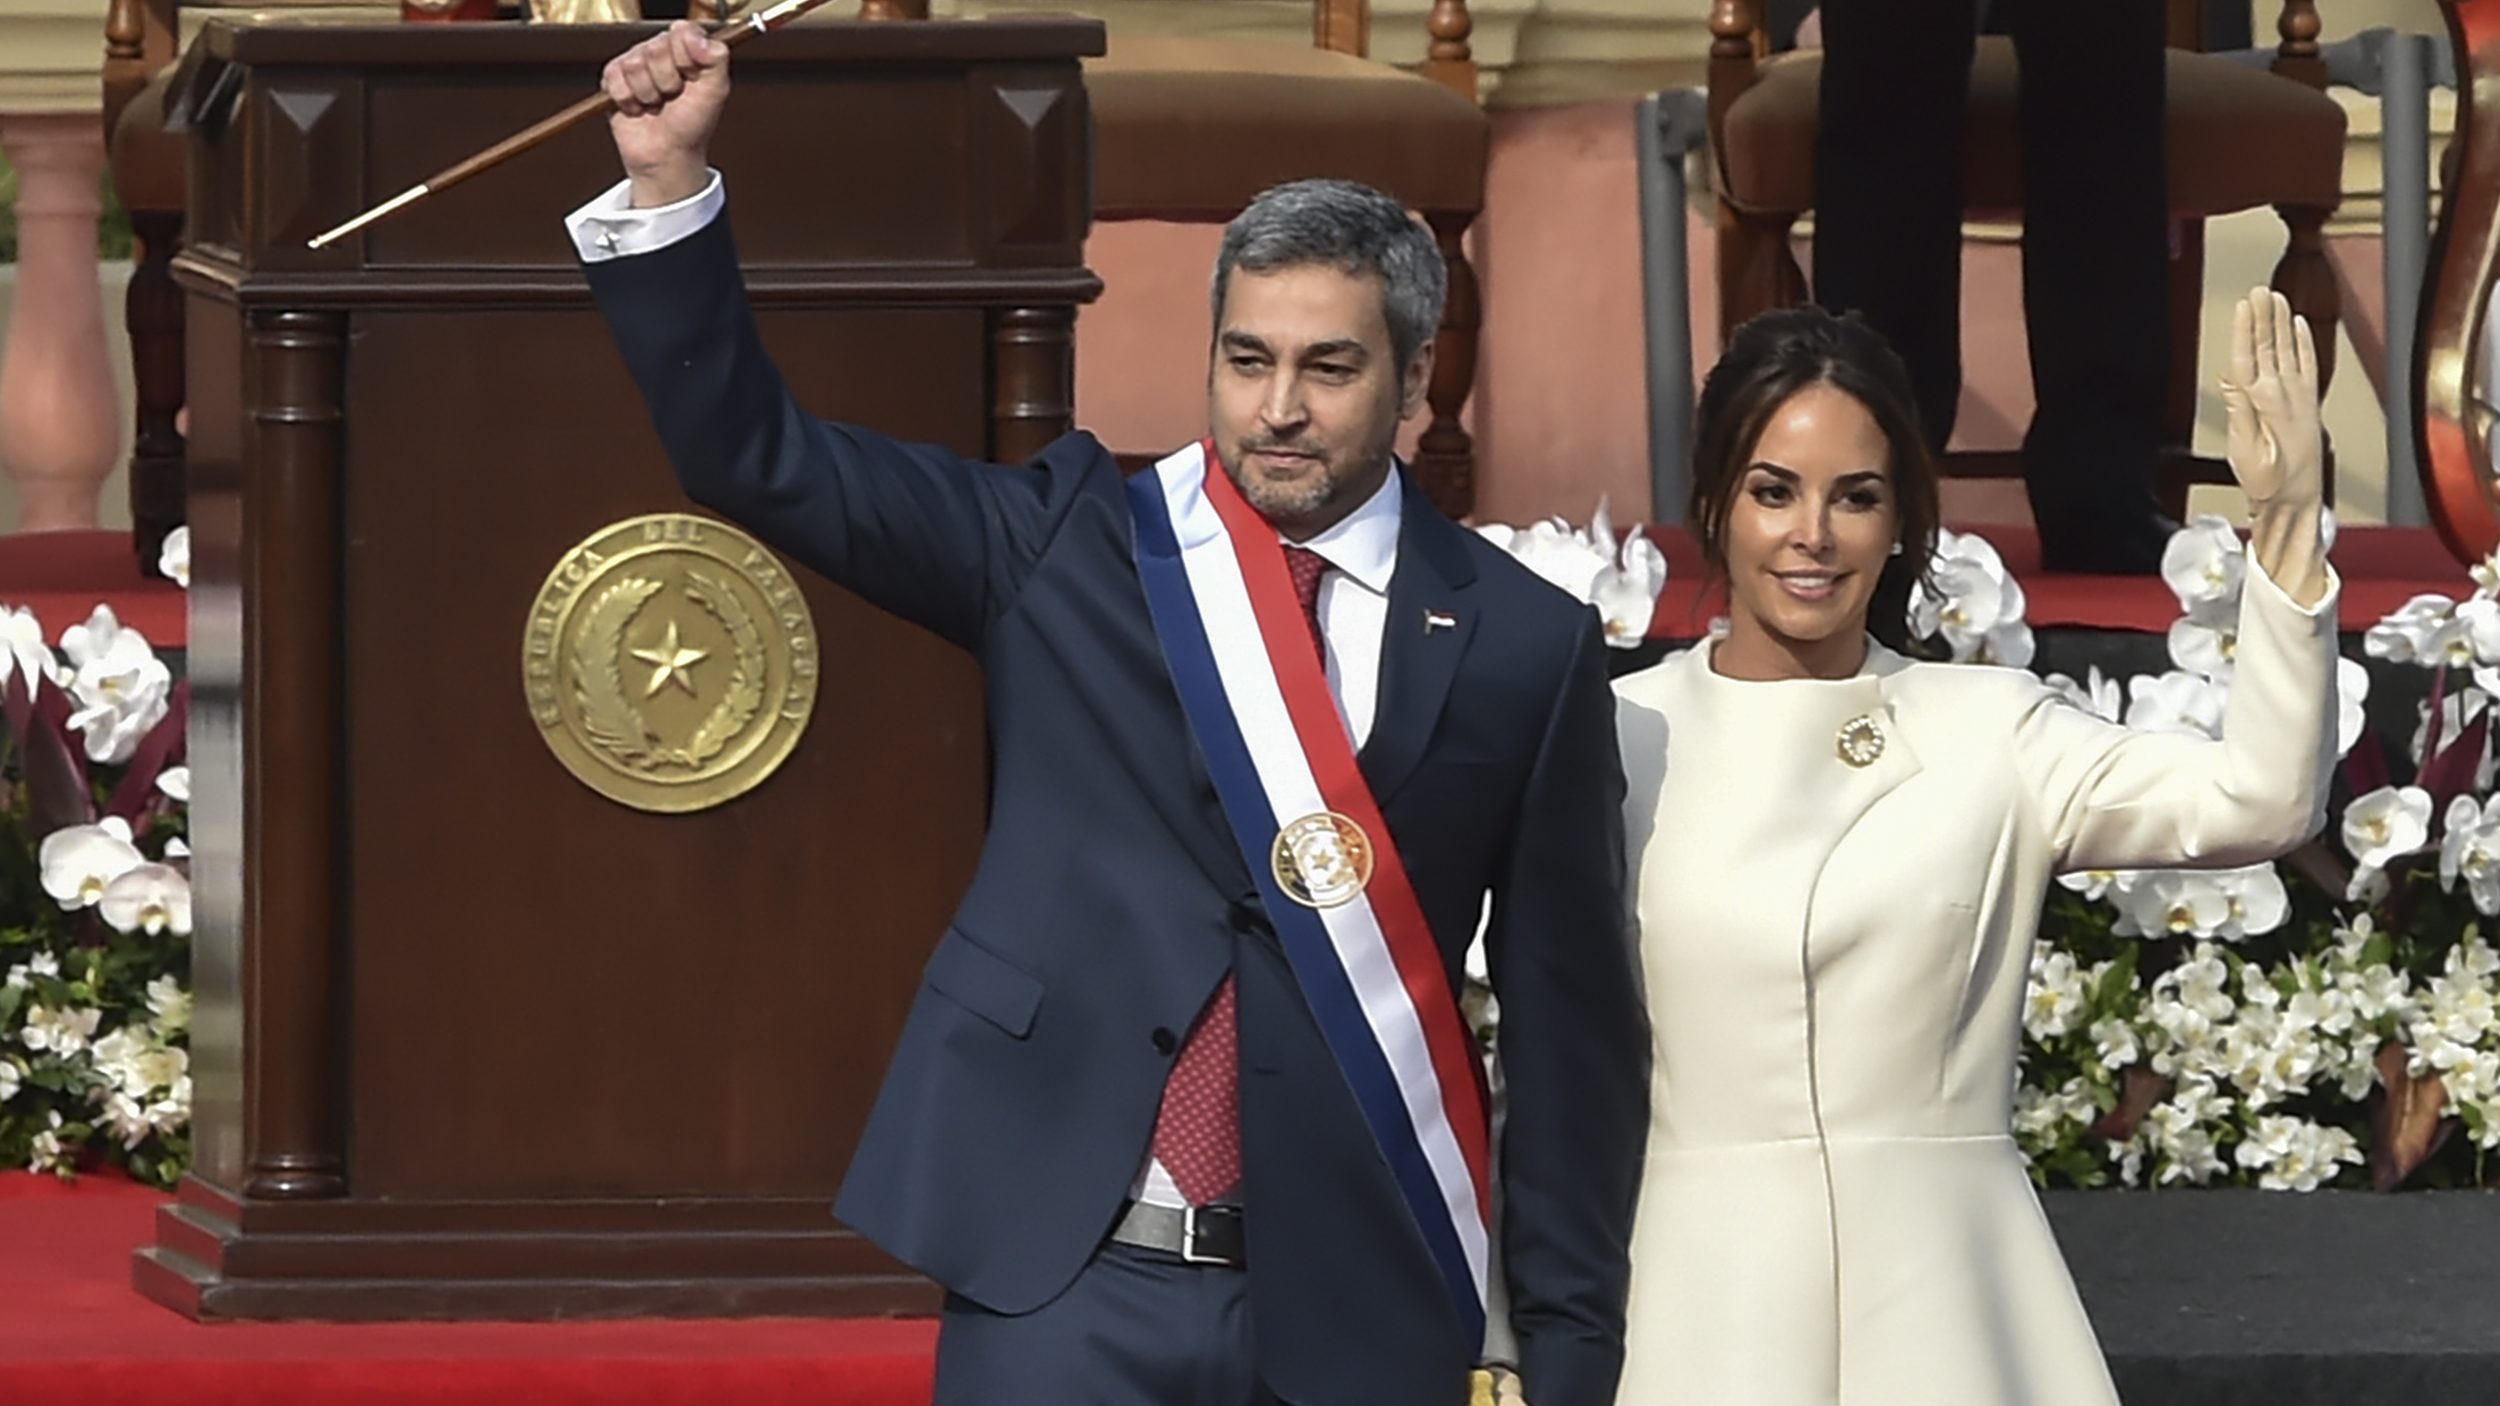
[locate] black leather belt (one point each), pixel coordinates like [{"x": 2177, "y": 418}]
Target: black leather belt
[{"x": 1198, "y": 1234}]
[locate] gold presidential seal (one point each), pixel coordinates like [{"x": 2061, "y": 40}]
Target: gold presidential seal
[
  {"x": 1322, "y": 860},
  {"x": 670, "y": 662}
]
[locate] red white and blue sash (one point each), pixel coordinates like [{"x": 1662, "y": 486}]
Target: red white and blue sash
[{"x": 1258, "y": 703}]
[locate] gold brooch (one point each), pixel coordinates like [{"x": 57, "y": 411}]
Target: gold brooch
[{"x": 1861, "y": 742}]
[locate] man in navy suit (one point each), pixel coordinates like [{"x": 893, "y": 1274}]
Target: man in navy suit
[{"x": 1130, "y": 1125}]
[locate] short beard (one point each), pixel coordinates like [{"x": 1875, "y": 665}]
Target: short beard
[
  {"x": 1287, "y": 505},
  {"x": 1320, "y": 503}
]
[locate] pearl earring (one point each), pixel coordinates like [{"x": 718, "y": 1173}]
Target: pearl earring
[{"x": 1896, "y": 549}]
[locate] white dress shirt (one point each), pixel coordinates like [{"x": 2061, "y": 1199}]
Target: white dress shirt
[
  {"x": 1362, "y": 546},
  {"x": 609, "y": 227}
]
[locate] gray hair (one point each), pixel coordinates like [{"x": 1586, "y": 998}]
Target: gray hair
[{"x": 1349, "y": 227}]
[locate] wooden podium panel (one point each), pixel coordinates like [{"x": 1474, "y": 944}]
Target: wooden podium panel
[{"x": 474, "y": 1040}]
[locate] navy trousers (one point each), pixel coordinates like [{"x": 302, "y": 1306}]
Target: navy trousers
[{"x": 1138, "y": 1328}]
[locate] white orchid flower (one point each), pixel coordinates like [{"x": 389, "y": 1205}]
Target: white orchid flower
[
  {"x": 136, "y": 1064},
  {"x": 2103, "y": 885},
  {"x": 2258, "y": 901},
  {"x": 175, "y": 782},
  {"x": 2177, "y": 701},
  {"x": 2404, "y": 636},
  {"x": 115, "y": 730},
  {"x": 22, "y": 650},
  {"x": 174, "y": 558},
  {"x": 120, "y": 686},
  {"x": 2186, "y": 1146},
  {"x": 2098, "y": 695},
  {"x": 169, "y": 1004},
  {"x": 2203, "y": 650},
  {"x": 1970, "y": 599},
  {"x": 2055, "y": 1000},
  {"x": 93, "y": 639},
  {"x": 1559, "y": 555},
  {"x": 2204, "y": 564},
  {"x": 2474, "y": 959},
  {"x": 2294, "y": 1154},
  {"x": 2178, "y": 903},
  {"x": 2352, "y": 696},
  {"x": 153, "y": 897},
  {"x": 2469, "y": 849},
  {"x": 63, "y": 1033},
  {"x": 1626, "y": 593},
  {"x": 1622, "y": 578},
  {"x": 2010, "y": 641},
  {"x": 2486, "y": 574},
  {"x": 45, "y": 1153},
  {"x": 2469, "y": 636},
  {"x": 41, "y": 964},
  {"x": 2115, "y": 1042},
  {"x": 81, "y": 861},
  {"x": 2386, "y": 825}
]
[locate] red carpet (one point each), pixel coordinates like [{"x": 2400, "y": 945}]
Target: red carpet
[
  {"x": 62, "y": 575},
  {"x": 73, "y": 1331}
]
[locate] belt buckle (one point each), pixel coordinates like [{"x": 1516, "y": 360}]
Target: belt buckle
[{"x": 1189, "y": 1240}]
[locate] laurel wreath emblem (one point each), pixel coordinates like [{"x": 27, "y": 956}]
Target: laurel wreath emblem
[{"x": 610, "y": 719}]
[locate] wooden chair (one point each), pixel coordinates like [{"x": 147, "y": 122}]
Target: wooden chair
[
  {"x": 1190, "y": 129},
  {"x": 2239, "y": 139},
  {"x": 140, "y": 39}
]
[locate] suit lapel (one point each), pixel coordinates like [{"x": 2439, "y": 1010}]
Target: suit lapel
[{"x": 1432, "y": 617}]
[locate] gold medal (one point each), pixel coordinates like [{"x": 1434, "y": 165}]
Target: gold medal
[
  {"x": 670, "y": 663},
  {"x": 1322, "y": 860}
]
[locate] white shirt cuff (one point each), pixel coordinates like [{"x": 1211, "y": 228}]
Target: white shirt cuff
[{"x": 609, "y": 227}]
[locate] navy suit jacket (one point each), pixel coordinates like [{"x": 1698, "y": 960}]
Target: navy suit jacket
[{"x": 1110, "y": 898}]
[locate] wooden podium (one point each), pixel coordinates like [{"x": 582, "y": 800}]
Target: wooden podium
[{"x": 474, "y": 1040}]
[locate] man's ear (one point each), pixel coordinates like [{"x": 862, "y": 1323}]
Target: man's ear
[{"x": 1415, "y": 382}]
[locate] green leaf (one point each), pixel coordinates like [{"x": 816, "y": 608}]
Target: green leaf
[{"x": 2119, "y": 980}]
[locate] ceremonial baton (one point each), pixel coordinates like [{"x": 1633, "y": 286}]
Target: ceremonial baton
[{"x": 597, "y": 104}]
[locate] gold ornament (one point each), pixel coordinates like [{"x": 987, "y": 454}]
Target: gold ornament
[
  {"x": 1861, "y": 741},
  {"x": 670, "y": 663},
  {"x": 1322, "y": 860}
]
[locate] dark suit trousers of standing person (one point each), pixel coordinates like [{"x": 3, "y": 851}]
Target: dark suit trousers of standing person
[{"x": 2096, "y": 240}]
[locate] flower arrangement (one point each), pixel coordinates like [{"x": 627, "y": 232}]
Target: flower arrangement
[
  {"x": 1621, "y": 578},
  {"x": 2326, "y": 1020},
  {"x": 95, "y": 899}
]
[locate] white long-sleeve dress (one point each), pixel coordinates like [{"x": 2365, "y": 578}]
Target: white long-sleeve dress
[{"x": 1836, "y": 952}]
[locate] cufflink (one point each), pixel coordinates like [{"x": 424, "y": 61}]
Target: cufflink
[{"x": 607, "y": 241}]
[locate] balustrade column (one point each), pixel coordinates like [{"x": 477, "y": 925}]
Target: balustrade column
[{"x": 60, "y": 429}]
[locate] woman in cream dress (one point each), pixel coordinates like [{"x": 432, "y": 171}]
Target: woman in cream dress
[{"x": 1838, "y": 860}]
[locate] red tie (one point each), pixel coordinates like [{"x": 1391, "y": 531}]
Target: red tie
[{"x": 1198, "y": 1130}]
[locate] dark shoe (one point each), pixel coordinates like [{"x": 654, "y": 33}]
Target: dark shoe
[{"x": 2107, "y": 546}]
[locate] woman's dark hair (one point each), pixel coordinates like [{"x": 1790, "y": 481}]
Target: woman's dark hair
[{"x": 1770, "y": 359}]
